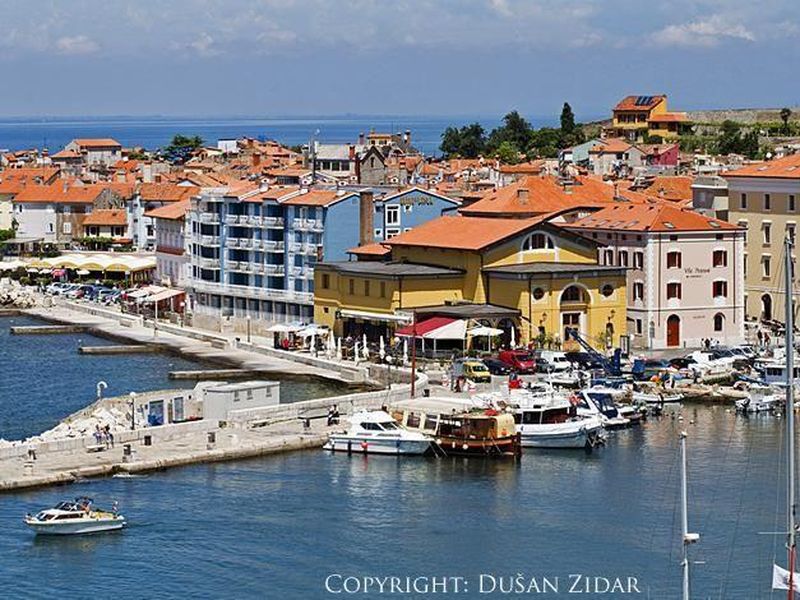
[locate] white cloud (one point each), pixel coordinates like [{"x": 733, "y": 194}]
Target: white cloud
[
  {"x": 702, "y": 32},
  {"x": 501, "y": 7},
  {"x": 78, "y": 44},
  {"x": 203, "y": 45}
]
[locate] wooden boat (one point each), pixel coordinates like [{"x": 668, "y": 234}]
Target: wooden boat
[{"x": 460, "y": 427}]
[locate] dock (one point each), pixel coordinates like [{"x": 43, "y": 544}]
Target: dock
[
  {"x": 120, "y": 349},
  {"x": 10, "y": 312},
  {"x": 47, "y": 329},
  {"x": 221, "y": 374}
]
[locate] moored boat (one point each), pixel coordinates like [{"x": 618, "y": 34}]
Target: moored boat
[
  {"x": 74, "y": 518},
  {"x": 376, "y": 432},
  {"x": 554, "y": 423},
  {"x": 459, "y": 427}
]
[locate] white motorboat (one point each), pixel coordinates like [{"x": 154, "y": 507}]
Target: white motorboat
[
  {"x": 554, "y": 423},
  {"x": 656, "y": 398},
  {"x": 760, "y": 399},
  {"x": 599, "y": 402},
  {"x": 74, "y": 518},
  {"x": 376, "y": 432}
]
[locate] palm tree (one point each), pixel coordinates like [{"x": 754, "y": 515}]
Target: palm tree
[{"x": 785, "y": 114}]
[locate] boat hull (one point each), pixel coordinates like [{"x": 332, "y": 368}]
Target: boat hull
[
  {"x": 508, "y": 446},
  {"x": 79, "y": 527},
  {"x": 575, "y": 437},
  {"x": 355, "y": 445}
]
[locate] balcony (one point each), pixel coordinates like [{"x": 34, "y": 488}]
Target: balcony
[
  {"x": 255, "y": 221},
  {"x": 232, "y": 242},
  {"x": 272, "y": 222},
  {"x": 208, "y": 263},
  {"x": 272, "y": 245},
  {"x": 209, "y": 217},
  {"x": 258, "y": 268},
  {"x": 313, "y": 224},
  {"x": 231, "y": 219},
  {"x": 295, "y": 247},
  {"x": 310, "y": 249},
  {"x": 245, "y": 242},
  {"x": 274, "y": 269},
  {"x": 245, "y": 291},
  {"x": 296, "y": 271},
  {"x": 209, "y": 240}
]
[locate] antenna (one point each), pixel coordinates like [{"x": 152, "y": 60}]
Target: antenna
[
  {"x": 688, "y": 538},
  {"x": 791, "y": 541}
]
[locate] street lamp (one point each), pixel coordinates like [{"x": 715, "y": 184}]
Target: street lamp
[
  {"x": 248, "y": 329},
  {"x": 133, "y": 411}
]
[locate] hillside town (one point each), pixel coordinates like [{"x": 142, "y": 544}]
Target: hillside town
[{"x": 623, "y": 235}]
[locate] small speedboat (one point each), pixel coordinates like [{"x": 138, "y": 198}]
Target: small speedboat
[
  {"x": 376, "y": 432},
  {"x": 554, "y": 423},
  {"x": 760, "y": 399},
  {"x": 74, "y": 518}
]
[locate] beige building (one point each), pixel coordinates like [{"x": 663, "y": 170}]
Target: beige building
[
  {"x": 765, "y": 199},
  {"x": 684, "y": 270}
]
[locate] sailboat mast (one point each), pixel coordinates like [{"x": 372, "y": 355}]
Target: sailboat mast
[
  {"x": 791, "y": 542},
  {"x": 684, "y": 518}
]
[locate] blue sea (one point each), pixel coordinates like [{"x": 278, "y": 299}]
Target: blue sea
[
  {"x": 278, "y": 527},
  {"x": 155, "y": 132}
]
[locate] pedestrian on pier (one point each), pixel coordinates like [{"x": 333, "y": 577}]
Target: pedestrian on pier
[
  {"x": 109, "y": 436},
  {"x": 98, "y": 435},
  {"x": 31, "y": 453},
  {"x": 760, "y": 337}
]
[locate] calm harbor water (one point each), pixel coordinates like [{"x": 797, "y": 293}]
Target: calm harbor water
[
  {"x": 155, "y": 132},
  {"x": 44, "y": 379},
  {"x": 275, "y": 527}
]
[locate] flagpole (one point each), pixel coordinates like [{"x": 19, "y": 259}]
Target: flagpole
[{"x": 791, "y": 542}]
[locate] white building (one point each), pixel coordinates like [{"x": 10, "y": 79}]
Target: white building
[
  {"x": 172, "y": 257},
  {"x": 96, "y": 151}
]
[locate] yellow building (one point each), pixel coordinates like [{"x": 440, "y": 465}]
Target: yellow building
[
  {"x": 526, "y": 273},
  {"x": 635, "y": 116},
  {"x": 764, "y": 199}
]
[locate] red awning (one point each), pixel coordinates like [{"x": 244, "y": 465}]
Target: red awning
[{"x": 424, "y": 327}]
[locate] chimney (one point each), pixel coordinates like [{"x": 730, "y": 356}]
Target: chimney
[
  {"x": 522, "y": 195},
  {"x": 366, "y": 218},
  {"x": 352, "y": 152},
  {"x": 256, "y": 159},
  {"x": 361, "y": 139}
]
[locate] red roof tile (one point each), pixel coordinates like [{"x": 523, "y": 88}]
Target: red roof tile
[
  {"x": 463, "y": 233},
  {"x": 639, "y": 102},
  {"x": 657, "y": 216},
  {"x": 174, "y": 211},
  {"x": 787, "y": 167},
  {"x": 106, "y": 216}
]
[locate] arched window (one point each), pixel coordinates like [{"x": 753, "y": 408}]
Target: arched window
[
  {"x": 538, "y": 241},
  {"x": 573, "y": 294},
  {"x": 719, "y": 322}
]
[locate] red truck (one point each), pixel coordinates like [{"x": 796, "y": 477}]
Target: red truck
[{"x": 521, "y": 361}]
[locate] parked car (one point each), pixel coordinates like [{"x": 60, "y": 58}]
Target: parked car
[
  {"x": 474, "y": 370},
  {"x": 558, "y": 360},
  {"x": 522, "y": 361},
  {"x": 583, "y": 360},
  {"x": 56, "y": 288},
  {"x": 497, "y": 366}
]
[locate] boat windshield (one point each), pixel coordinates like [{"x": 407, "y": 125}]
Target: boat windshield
[
  {"x": 389, "y": 425},
  {"x": 68, "y": 506}
]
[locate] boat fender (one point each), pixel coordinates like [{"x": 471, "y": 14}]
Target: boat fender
[
  {"x": 364, "y": 445},
  {"x": 465, "y": 447}
]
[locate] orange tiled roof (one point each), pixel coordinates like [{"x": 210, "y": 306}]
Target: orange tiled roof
[
  {"x": 633, "y": 102},
  {"x": 30, "y": 173},
  {"x": 288, "y": 172},
  {"x": 174, "y": 211},
  {"x": 316, "y": 198},
  {"x": 612, "y": 145},
  {"x": 121, "y": 188},
  {"x": 375, "y": 249},
  {"x": 670, "y": 117},
  {"x": 59, "y": 192},
  {"x": 675, "y": 188},
  {"x": 544, "y": 195},
  {"x": 106, "y": 216},
  {"x": 66, "y": 154},
  {"x": 96, "y": 142},
  {"x": 463, "y": 233},
  {"x": 657, "y": 216},
  {"x": 531, "y": 168},
  {"x": 273, "y": 193},
  {"x": 166, "y": 192},
  {"x": 787, "y": 167}
]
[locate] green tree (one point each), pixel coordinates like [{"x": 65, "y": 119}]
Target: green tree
[
  {"x": 729, "y": 140},
  {"x": 545, "y": 142},
  {"x": 507, "y": 153},
  {"x": 567, "y": 119},
  {"x": 515, "y": 130},
  {"x": 785, "y": 114},
  {"x": 181, "y": 147},
  {"x": 467, "y": 142}
]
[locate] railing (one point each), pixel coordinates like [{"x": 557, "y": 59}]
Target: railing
[
  {"x": 275, "y": 269},
  {"x": 245, "y": 243},
  {"x": 209, "y": 263},
  {"x": 232, "y": 242},
  {"x": 258, "y": 268},
  {"x": 296, "y": 271},
  {"x": 209, "y": 240},
  {"x": 255, "y": 220},
  {"x": 252, "y": 292},
  {"x": 272, "y": 221},
  {"x": 209, "y": 217},
  {"x": 231, "y": 219},
  {"x": 232, "y": 265},
  {"x": 295, "y": 247}
]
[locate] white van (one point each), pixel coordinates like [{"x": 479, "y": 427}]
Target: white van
[{"x": 556, "y": 360}]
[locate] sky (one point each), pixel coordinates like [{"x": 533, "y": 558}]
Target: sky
[{"x": 396, "y": 57}]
